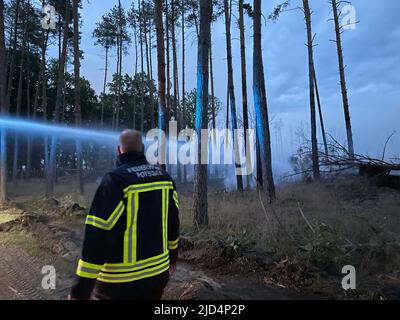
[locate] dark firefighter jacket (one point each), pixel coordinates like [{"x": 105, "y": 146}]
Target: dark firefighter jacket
[{"x": 132, "y": 230}]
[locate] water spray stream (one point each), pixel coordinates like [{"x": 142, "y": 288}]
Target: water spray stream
[{"x": 62, "y": 132}]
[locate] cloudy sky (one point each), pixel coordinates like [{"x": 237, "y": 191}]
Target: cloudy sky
[{"x": 372, "y": 60}]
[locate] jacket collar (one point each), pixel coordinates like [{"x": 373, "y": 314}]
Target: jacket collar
[{"x": 130, "y": 157}]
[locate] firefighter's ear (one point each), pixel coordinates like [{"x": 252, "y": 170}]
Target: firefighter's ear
[{"x": 119, "y": 150}]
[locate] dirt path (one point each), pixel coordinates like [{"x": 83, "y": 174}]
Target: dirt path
[{"x": 21, "y": 277}]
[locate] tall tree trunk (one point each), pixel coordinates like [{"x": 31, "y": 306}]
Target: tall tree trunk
[
  {"x": 51, "y": 172},
  {"x": 12, "y": 62},
  {"x": 119, "y": 68},
  {"x": 244, "y": 86},
  {"x": 45, "y": 37},
  {"x": 314, "y": 140},
  {"x": 136, "y": 44},
  {"x": 44, "y": 41},
  {"x": 261, "y": 108},
  {"x": 321, "y": 116},
  {"x": 28, "y": 110},
  {"x": 77, "y": 94},
  {"x": 154, "y": 118},
  {"x": 19, "y": 102},
  {"x": 213, "y": 111},
  {"x": 200, "y": 208},
  {"x": 213, "y": 107},
  {"x": 35, "y": 106},
  {"x": 142, "y": 89},
  {"x": 343, "y": 85},
  {"x": 183, "y": 78},
  {"x": 3, "y": 108},
  {"x": 168, "y": 56},
  {"x": 150, "y": 75},
  {"x": 104, "y": 87},
  {"x": 174, "y": 63},
  {"x": 177, "y": 115},
  {"x": 232, "y": 99},
  {"x": 136, "y": 70},
  {"x": 161, "y": 68}
]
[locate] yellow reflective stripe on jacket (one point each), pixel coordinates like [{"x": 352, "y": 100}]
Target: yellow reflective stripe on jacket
[
  {"x": 149, "y": 186},
  {"x": 176, "y": 199},
  {"x": 88, "y": 270},
  {"x": 172, "y": 245},
  {"x": 137, "y": 266},
  {"x": 131, "y": 229},
  {"x": 134, "y": 276},
  {"x": 165, "y": 219},
  {"x": 106, "y": 224}
]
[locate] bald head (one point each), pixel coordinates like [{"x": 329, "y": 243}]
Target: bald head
[{"x": 131, "y": 140}]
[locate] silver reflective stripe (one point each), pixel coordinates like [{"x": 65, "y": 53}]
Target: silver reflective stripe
[
  {"x": 138, "y": 265},
  {"x": 141, "y": 188},
  {"x": 103, "y": 277},
  {"x": 87, "y": 270}
]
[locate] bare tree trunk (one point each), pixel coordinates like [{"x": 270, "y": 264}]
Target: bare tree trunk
[
  {"x": 314, "y": 140},
  {"x": 200, "y": 207},
  {"x": 12, "y": 62},
  {"x": 343, "y": 79},
  {"x": 77, "y": 94},
  {"x": 19, "y": 102},
  {"x": 244, "y": 85},
  {"x": 214, "y": 116},
  {"x": 29, "y": 152},
  {"x": 136, "y": 44},
  {"x": 175, "y": 63},
  {"x": 168, "y": 56},
  {"x": 51, "y": 172},
  {"x": 183, "y": 78},
  {"x": 28, "y": 108},
  {"x": 119, "y": 68},
  {"x": 321, "y": 116},
  {"x": 177, "y": 115},
  {"x": 136, "y": 70},
  {"x": 154, "y": 113},
  {"x": 3, "y": 108},
  {"x": 261, "y": 108},
  {"x": 161, "y": 67},
  {"x": 150, "y": 75},
  {"x": 142, "y": 89},
  {"x": 104, "y": 88},
  {"x": 232, "y": 99},
  {"x": 145, "y": 28}
]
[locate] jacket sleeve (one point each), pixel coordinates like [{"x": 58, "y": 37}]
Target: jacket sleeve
[
  {"x": 173, "y": 226},
  {"x": 106, "y": 209}
]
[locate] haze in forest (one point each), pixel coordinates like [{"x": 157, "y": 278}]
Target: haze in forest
[{"x": 372, "y": 61}]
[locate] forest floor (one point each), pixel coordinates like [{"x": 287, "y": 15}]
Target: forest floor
[{"x": 243, "y": 255}]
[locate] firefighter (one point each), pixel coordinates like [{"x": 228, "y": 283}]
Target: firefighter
[{"x": 131, "y": 240}]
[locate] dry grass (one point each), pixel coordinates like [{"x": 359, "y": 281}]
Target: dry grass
[{"x": 351, "y": 223}]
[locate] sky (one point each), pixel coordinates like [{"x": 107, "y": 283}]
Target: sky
[{"x": 371, "y": 53}]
